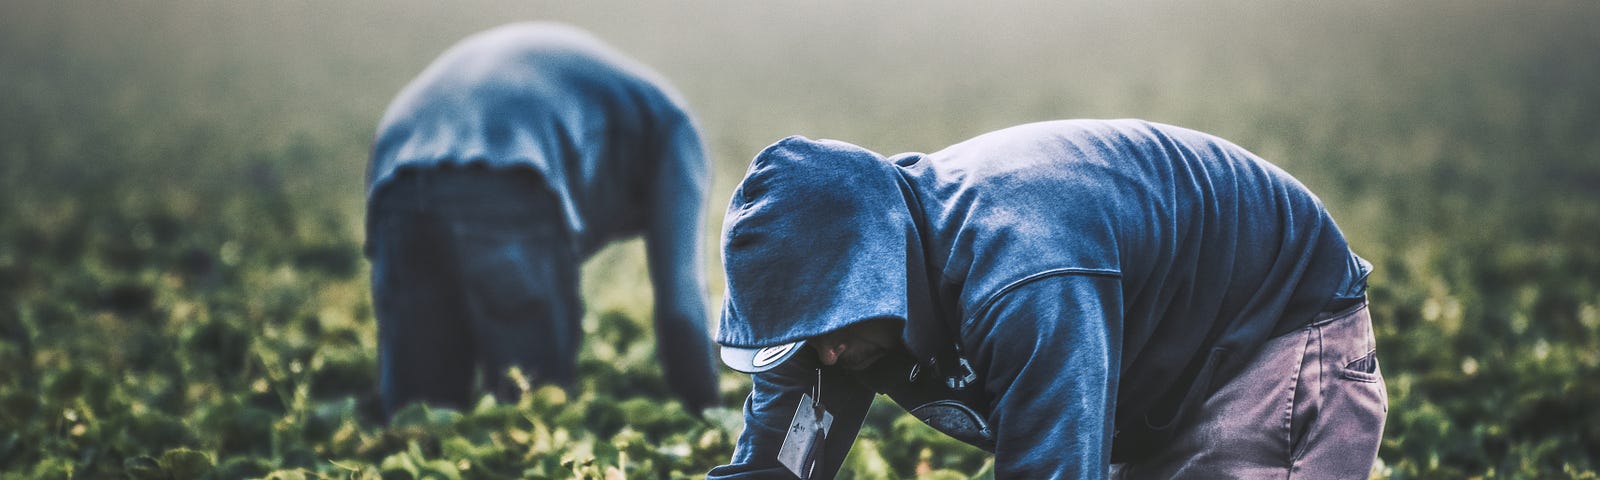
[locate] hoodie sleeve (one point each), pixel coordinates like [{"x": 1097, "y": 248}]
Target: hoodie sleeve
[
  {"x": 672, "y": 243},
  {"x": 771, "y": 407},
  {"x": 1049, "y": 347}
]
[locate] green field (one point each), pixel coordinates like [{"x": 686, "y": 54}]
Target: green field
[{"x": 182, "y": 292}]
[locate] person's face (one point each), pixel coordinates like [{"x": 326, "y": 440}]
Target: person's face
[{"x": 855, "y": 347}]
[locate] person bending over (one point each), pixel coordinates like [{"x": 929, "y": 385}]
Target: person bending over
[
  {"x": 513, "y": 157},
  {"x": 1068, "y": 295}
]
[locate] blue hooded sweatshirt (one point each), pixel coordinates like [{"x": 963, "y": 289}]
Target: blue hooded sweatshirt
[
  {"x": 1067, "y": 289},
  {"x": 603, "y": 131},
  {"x": 608, "y": 136}
]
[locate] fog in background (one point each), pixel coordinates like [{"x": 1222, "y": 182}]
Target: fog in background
[{"x": 183, "y": 166}]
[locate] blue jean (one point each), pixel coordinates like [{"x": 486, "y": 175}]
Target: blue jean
[
  {"x": 1310, "y": 405},
  {"x": 472, "y": 269}
]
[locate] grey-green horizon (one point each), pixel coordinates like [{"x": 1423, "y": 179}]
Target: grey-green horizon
[{"x": 182, "y": 291}]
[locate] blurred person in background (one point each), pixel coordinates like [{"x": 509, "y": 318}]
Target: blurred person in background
[
  {"x": 1081, "y": 298},
  {"x": 511, "y": 159}
]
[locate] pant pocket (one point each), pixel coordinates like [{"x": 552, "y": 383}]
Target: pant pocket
[
  {"x": 1342, "y": 436},
  {"x": 1363, "y": 369}
]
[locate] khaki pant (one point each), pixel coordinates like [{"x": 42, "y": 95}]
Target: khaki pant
[{"x": 1311, "y": 405}]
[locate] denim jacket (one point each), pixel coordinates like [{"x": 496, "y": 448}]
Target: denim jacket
[{"x": 1076, "y": 285}]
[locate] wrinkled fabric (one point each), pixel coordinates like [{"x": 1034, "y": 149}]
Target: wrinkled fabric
[
  {"x": 479, "y": 244},
  {"x": 817, "y": 235},
  {"x": 847, "y": 396},
  {"x": 1310, "y": 406},
  {"x": 606, "y": 136},
  {"x": 771, "y": 406},
  {"x": 1100, "y": 275},
  {"x": 1216, "y": 249},
  {"x": 597, "y": 125}
]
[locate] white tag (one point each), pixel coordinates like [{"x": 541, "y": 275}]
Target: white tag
[
  {"x": 802, "y": 445},
  {"x": 965, "y": 376}
]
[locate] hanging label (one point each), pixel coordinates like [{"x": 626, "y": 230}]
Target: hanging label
[
  {"x": 802, "y": 446},
  {"x": 963, "y": 377}
]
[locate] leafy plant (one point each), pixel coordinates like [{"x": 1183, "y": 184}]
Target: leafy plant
[{"x": 182, "y": 291}]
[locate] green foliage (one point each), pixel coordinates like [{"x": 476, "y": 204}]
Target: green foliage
[{"x": 182, "y": 292}]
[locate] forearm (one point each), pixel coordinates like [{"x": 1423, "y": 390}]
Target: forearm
[
  {"x": 774, "y": 399},
  {"x": 682, "y": 341},
  {"x": 672, "y": 243},
  {"x": 1050, "y": 350}
]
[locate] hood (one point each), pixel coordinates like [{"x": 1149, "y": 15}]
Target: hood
[{"x": 819, "y": 235}]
